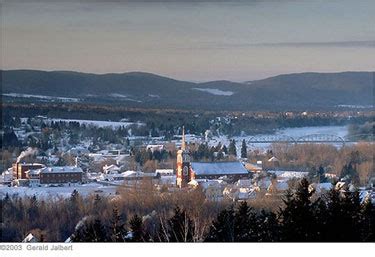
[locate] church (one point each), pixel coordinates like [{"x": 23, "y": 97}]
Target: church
[{"x": 188, "y": 171}]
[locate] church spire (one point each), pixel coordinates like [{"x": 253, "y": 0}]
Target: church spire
[{"x": 183, "y": 138}]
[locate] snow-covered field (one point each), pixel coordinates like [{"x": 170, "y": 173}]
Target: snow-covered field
[
  {"x": 355, "y": 106},
  {"x": 63, "y": 99},
  {"x": 215, "y": 91},
  {"x": 341, "y": 131},
  {"x": 54, "y": 192},
  {"x": 124, "y": 97},
  {"x": 100, "y": 123}
]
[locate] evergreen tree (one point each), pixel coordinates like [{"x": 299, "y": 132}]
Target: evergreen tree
[
  {"x": 298, "y": 221},
  {"x": 368, "y": 221},
  {"x": 321, "y": 176},
  {"x": 343, "y": 216},
  {"x": 245, "y": 224},
  {"x": 269, "y": 228},
  {"x": 222, "y": 229},
  {"x": 225, "y": 149},
  {"x": 9, "y": 138},
  {"x": 232, "y": 148},
  {"x": 91, "y": 231},
  {"x": 180, "y": 227},
  {"x": 319, "y": 209},
  {"x": 33, "y": 210},
  {"x": 220, "y": 155},
  {"x": 117, "y": 226},
  {"x": 244, "y": 149},
  {"x": 136, "y": 227}
]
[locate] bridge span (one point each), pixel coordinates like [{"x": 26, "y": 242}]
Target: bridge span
[{"x": 311, "y": 139}]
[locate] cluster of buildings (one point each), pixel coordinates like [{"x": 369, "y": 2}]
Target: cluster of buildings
[
  {"x": 235, "y": 180},
  {"x": 37, "y": 174}
]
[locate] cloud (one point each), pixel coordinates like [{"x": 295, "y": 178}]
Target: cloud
[
  {"x": 333, "y": 44},
  {"x": 147, "y": 1},
  {"x": 355, "y": 44}
]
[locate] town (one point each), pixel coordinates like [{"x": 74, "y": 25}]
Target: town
[
  {"x": 187, "y": 122},
  {"x": 63, "y": 160},
  {"x": 55, "y": 163}
]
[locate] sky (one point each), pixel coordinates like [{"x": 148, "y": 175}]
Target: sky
[{"x": 189, "y": 40}]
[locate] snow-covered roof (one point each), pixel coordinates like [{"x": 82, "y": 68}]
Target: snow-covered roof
[
  {"x": 218, "y": 168},
  {"x": 253, "y": 167},
  {"x": 34, "y": 172},
  {"x": 132, "y": 173},
  {"x": 60, "y": 169},
  {"x": 273, "y": 159},
  {"x": 320, "y": 187},
  {"x": 280, "y": 186},
  {"x": 111, "y": 167},
  {"x": 293, "y": 174},
  {"x": 218, "y": 183},
  {"x": 244, "y": 183},
  {"x": 193, "y": 182},
  {"x": 164, "y": 171},
  {"x": 30, "y": 238}
]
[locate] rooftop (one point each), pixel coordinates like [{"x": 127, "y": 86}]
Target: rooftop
[
  {"x": 60, "y": 169},
  {"x": 218, "y": 168}
]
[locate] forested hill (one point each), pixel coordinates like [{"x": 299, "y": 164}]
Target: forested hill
[{"x": 138, "y": 89}]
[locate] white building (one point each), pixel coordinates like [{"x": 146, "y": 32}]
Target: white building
[
  {"x": 164, "y": 172},
  {"x": 153, "y": 148},
  {"x": 111, "y": 169}
]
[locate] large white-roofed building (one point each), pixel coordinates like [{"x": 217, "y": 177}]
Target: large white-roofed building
[
  {"x": 57, "y": 174},
  {"x": 214, "y": 170}
]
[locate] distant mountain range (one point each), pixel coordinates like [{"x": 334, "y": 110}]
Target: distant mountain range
[{"x": 302, "y": 91}]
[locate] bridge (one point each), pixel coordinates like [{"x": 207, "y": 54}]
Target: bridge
[{"x": 311, "y": 139}]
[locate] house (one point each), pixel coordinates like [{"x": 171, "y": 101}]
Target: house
[
  {"x": 164, "y": 172},
  {"x": 277, "y": 187},
  {"x": 30, "y": 238},
  {"x": 287, "y": 175},
  {"x": 19, "y": 169},
  {"x": 111, "y": 169},
  {"x": 263, "y": 183},
  {"x": 273, "y": 162},
  {"x": 320, "y": 187},
  {"x": 7, "y": 176},
  {"x": 34, "y": 178},
  {"x": 214, "y": 193},
  {"x": 244, "y": 183},
  {"x": 371, "y": 183},
  {"x": 78, "y": 151},
  {"x": 253, "y": 167},
  {"x": 214, "y": 170},
  {"x": 244, "y": 193},
  {"x": 213, "y": 189},
  {"x": 341, "y": 186},
  {"x": 239, "y": 193},
  {"x": 168, "y": 180},
  {"x": 153, "y": 148}
]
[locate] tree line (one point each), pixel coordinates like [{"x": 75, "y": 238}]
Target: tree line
[{"x": 337, "y": 216}]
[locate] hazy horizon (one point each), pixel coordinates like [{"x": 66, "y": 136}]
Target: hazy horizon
[
  {"x": 188, "y": 80},
  {"x": 193, "y": 41}
]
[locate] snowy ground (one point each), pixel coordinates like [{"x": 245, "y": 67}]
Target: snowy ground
[
  {"x": 100, "y": 123},
  {"x": 63, "y": 99},
  {"x": 54, "y": 192},
  {"x": 340, "y": 131},
  {"x": 215, "y": 91}
]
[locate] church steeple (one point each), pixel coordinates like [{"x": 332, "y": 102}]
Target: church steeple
[
  {"x": 183, "y": 164},
  {"x": 183, "y": 146}
]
